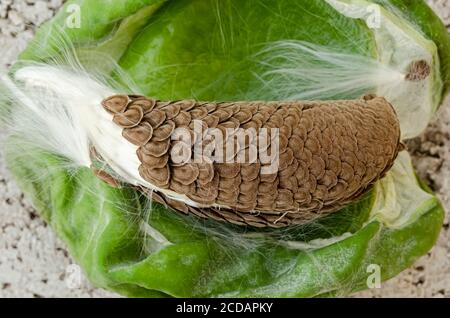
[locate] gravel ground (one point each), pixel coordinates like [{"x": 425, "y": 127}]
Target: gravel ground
[{"x": 35, "y": 263}]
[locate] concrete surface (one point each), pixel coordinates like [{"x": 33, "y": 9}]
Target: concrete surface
[{"x": 34, "y": 263}]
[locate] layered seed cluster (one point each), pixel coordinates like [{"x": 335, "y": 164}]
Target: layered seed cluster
[{"x": 330, "y": 153}]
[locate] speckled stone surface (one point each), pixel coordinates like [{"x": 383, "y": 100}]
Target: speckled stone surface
[{"x": 34, "y": 263}]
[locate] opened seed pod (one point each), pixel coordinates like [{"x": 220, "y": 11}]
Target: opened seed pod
[
  {"x": 254, "y": 167},
  {"x": 324, "y": 156}
]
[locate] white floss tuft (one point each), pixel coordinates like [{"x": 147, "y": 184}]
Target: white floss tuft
[
  {"x": 62, "y": 113},
  {"x": 71, "y": 117}
]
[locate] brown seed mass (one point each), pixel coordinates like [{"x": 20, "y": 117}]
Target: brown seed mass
[{"x": 330, "y": 153}]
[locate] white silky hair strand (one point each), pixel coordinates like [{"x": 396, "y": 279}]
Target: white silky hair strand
[{"x": 298, "y": 70}]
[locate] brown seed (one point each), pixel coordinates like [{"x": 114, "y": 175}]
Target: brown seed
[
  {"x": 250, "y": 186},
  {"x": 290, "y": 170},
  {"x": 286, "y": 159},
  {"x": 186, "y": 105},
  {"x": 303, "y": 196},
  {"x": 206, "y": 172},
  {"x": 138, "y": 135},
  {"x": 268, "y": 187},
  {"x": 245, "y": 207},
  {"x": 198, "y": 113},
  {"x": 317, "y": 167},
  {"x": 418, "y": 71},
  {"x": 183, "y": 119},
  {"x": 147, "y": 105},
  {"x": 158, "y": 198},
  {"x": 268, "y": 177},
  {"x": 226, "y": 197},
  {"x": 230, "y": 184},
  {"x": 211, "y": 107},
  {"x": 228, "y": 170},
  {"x": 289, "y": 183},
  {"x": 171, "y": 110},
  {"x": 202, "y": 197},
  {"x": 329, "y": 179},
  {"x": 330, "y": 153},
  {"x": 182, "y": 188},
  {"x": 223, "y": 114},
  {"x": 338, "y": 191},
  {"x": 164, "y": 132},
  {"x": 185, "y": 174},
  {"x": 151, "y": 161},
  {"x": 247, "y": 198},
  {"x": 211, "y": 120},
  {"x": 107, "y": 178},
  {"x": 250, "y": 171},
  {"x": 159, "y": 177},
  {"x": 285, "y": 199},
  {"x": 347, "y": 172},
  {"x": 155, "y": 118},
  {"x": 116, "y": 104},
  {"x": 156, "y": 148},
  {"x": 129, "y": 118},
  {"x": 177, "y": 205},
  {"x": 243, "y": 116}
]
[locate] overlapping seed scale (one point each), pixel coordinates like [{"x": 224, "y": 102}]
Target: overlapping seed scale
[{"x": 328, "y": 155}]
